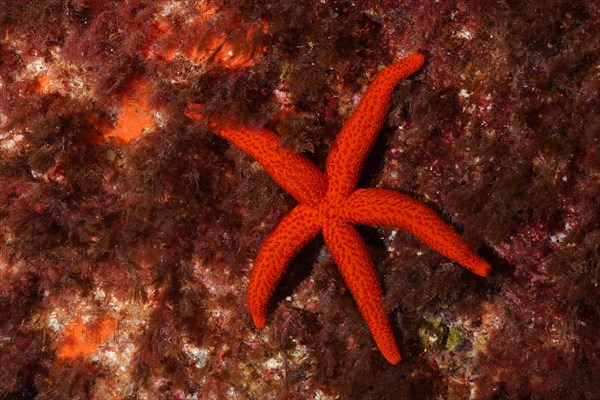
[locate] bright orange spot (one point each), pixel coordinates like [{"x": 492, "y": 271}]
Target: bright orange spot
[
  {"x": 43, "y": 83},
  {"x": 79, "y": 339},
  {"x": 135, "y": 116}
]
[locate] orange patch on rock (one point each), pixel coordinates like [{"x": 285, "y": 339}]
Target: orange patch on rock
[
  {"x": 43, "y": 83},
  {"x": 79, "y": 339},
  {"x": 135, "y": 116}
]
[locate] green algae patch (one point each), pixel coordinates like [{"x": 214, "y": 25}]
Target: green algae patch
[{"x": 434, "y": 335}]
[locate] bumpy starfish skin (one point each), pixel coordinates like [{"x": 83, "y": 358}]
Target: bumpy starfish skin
[{"x": 330, "y": 203}]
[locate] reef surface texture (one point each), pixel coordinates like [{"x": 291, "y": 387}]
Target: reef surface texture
[{"x": 128, "y": 231}]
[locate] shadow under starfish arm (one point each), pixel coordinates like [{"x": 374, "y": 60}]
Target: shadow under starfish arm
[{"x": 391, "y": 209}]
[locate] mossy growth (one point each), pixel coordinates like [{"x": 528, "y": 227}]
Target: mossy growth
[{"x": 437, "y": 336}]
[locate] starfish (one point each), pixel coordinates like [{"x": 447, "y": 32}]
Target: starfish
[{"x": 330, "y": 203}]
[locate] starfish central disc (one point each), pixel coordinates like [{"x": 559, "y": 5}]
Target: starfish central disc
[
  {"x": 329, "y": 210},
  {"x": 330, "y": 203}
]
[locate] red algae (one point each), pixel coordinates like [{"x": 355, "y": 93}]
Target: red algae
[
  {"x": 499, "y": 134},
  {"x": 216, "y": 39}
]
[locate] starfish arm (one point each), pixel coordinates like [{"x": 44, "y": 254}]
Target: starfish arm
[
  {"x": 392, "y": 209},
  {"x": 293, "y": 172},
  {"x": 292, "y": 232},
  {"x": 350, "y": 254},
  {"x": 354, "y": 142}
]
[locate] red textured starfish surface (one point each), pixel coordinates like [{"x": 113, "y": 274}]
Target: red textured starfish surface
[{"x": 330, "y": 203}]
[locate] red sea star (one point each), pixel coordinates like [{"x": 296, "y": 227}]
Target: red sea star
[{"x": 330, "y": 203}]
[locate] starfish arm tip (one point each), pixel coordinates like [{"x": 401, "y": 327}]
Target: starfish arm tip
[
  {"x": 257, "y": 304},
  {"x": 481, "y": 268},
  {"x": 418, "y": 58},
  {"x": 390, "y": 352},
  {"x": 393, "y": 359},
  {"x": 260, "y": 321}
]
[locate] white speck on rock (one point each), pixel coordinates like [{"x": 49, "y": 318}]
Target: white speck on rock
[
  {"x": 464, "y": 33},
  {"x": 464, "y": 94}
]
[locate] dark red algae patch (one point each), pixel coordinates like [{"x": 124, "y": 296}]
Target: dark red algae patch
[{"x": 155, "y": 228}]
